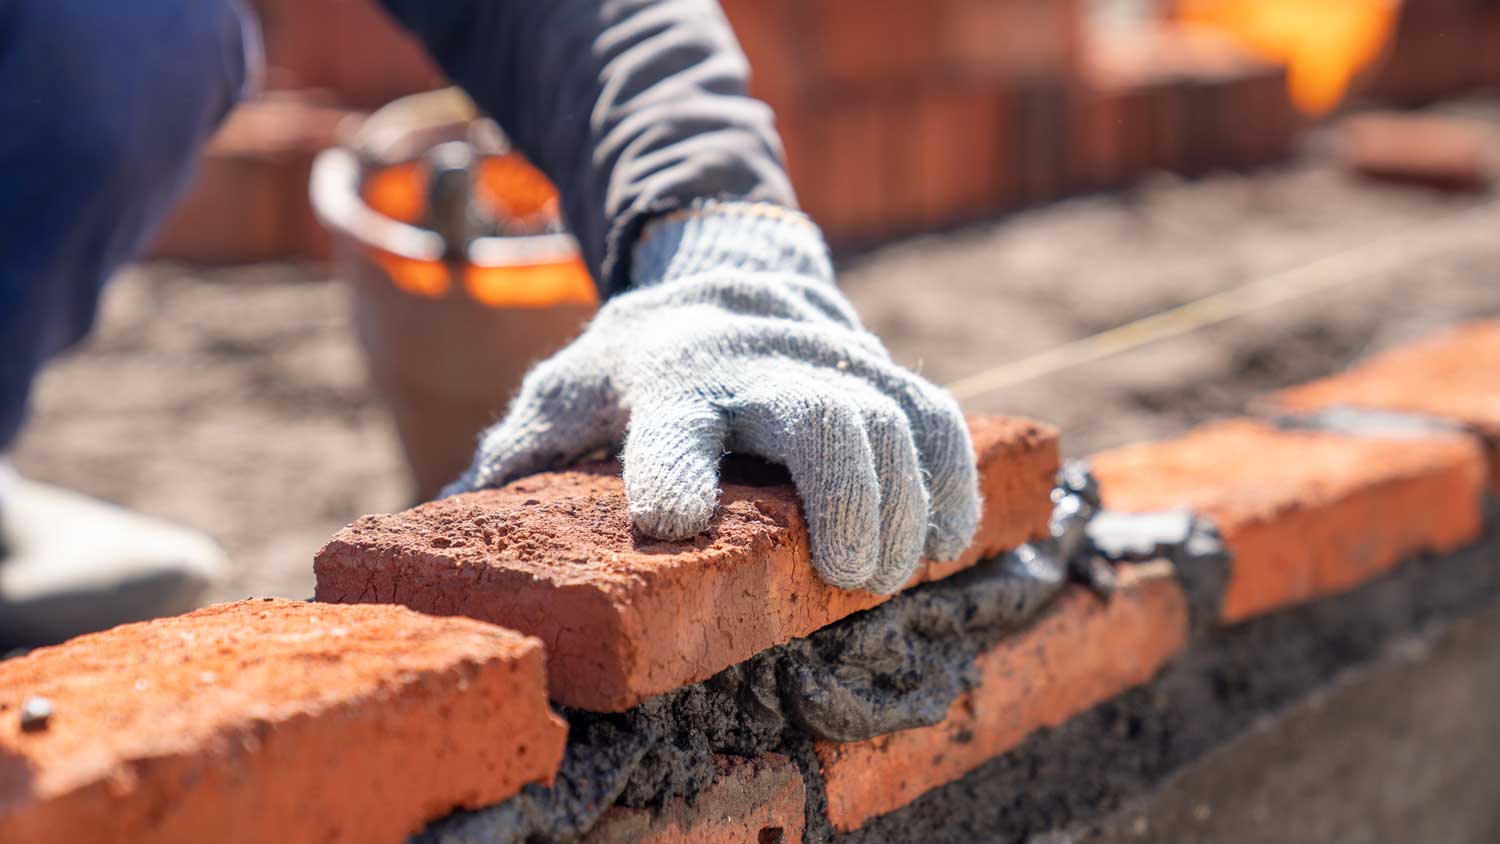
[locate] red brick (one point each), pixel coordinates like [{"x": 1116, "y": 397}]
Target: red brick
[
  {"x": 1038, "y": 139},
  {"x": 1305, "y": 514},
  {"x": 1488, "y": 61},
  {"x": 272, "y": 721},
  {"x": 962, "y": 151},
  {"x": 1436, "y": 48},
  {"x": 1260, "y": 122},
  {"x": 849, "y": 187},
  {"x": 351, "y": 47},
  {"x": 799, "y": 130},
  {"x": 1182, "y": 99},
  {"x": 773, "y": 34},
  {"x": 249, "y": 201},
  {"x": 1081, "y": 652},
  {"x": 1131, "y": 86},
  {"x": 751, "y": 801},
  {"x": 1105, "y": 139},
  {"x": 624, "y": 617},
  {"x": 1450, "y": 376},
  {"x": 865, "y": 42},
  {"x": 1011, "y": 39},
  {"x": 1439, "y": 152}
]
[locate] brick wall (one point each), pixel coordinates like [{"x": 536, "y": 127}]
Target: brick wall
[
  {"x": 900, "y": 117},
  {"x": 896, "y": 116},
  {"x": 1351, "y": 512},
  {"x": 1439, "y": 46}
]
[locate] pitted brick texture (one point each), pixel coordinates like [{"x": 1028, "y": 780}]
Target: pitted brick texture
[
  {"x": 751, "y": 801},
  {"x": 624, "y": 617},
  {"x": 1081, "y": 652},
  {"x": 1305, "y": 514},
  {"x": 1454, "y": 376},
  {"x": 272, "y": 721}
]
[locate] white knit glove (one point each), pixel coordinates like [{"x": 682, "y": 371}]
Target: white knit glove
[{"x": 733, "y": 336}]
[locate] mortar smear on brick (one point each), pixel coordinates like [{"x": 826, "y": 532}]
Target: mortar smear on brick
[
  {"x": 1454, "y": 376},
  {"x": 1082, "y": 651},
  {"x": 1305, "y": 514}
]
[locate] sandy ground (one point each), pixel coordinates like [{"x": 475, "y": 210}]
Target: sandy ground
[{"x": 235, "y": 400}]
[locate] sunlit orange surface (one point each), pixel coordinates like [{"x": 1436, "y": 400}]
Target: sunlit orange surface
[
  {"x": 512, "y": 186},
  {"x": 516, "y": 190},
  {"x": 419, "y": 278},
  {"x": 1324, "y": 43},
  {"x": 531, "y": 285}
]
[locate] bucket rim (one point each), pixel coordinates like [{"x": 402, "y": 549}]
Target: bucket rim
[{"x": 337, "y": 178}]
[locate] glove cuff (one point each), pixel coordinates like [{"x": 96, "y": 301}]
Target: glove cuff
[{"x": 715, "y": 235}]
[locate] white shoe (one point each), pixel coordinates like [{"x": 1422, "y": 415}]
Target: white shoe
[{"x": 70, "y": 564}]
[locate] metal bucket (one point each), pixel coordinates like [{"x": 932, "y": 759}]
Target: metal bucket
[{"x": 448, "y": 329}]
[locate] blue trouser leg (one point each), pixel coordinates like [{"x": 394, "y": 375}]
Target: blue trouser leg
[{"x": 103, "y": 108}]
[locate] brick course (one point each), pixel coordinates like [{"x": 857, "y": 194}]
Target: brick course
[
  {"x": 625, "y": 617},
  {"x": 1305, "y": 514},
  {"x": 272, "y": 720},
  {"x": 1081, "y": 652},
  {"x": 1450, "y": 376}
]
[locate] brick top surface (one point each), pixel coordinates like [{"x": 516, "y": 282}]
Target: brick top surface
[
  {"x": 1452, "y": 375},
  {"x": 1305, "y": 513},
  {"x": 272, "y": 720},
  {"x": 623, "y": 616},
  {"x": 1242, "y": 469}
]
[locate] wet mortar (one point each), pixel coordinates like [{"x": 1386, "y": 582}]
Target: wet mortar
[
  {"x": 890, "y": 668},
  {"x": 1215, "y": 691},
  {"x": 899, "y": 666},
  {"x": 894, "y": 667}
]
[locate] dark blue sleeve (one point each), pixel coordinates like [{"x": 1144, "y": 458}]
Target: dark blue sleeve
[{"x": 632, "y": 107}]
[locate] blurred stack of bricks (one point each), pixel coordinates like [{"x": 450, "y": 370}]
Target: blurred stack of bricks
[
  {"x": 1439, "y": 46},
  {"x": 326, "y": 61},
  {"x": 898, "y": 116}
]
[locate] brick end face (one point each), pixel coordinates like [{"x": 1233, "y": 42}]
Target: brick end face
[
  {"x": 1306, "y": 514},
  {"x": 1080, "y": 653},
  {"x": 273, "y": 721},
  {"x": 583, "y": 631},
  {"x": 624, "y": 617}
]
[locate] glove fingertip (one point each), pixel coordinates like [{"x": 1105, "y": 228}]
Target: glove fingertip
[
  {"x": 844, "y": 566},
  {"x": 952, "y": 532},
  {"x": 674, "y": 520},
  {"x": 890, "y": 581}
]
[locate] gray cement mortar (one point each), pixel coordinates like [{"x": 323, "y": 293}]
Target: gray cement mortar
[
  {"x": 1399, "y": 749},
  {"x": 1214, "y": 692},
  {"x": 890, "y": 668},
  {"x": 896, "y": 666}
]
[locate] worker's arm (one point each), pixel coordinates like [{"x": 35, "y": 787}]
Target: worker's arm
[
  {"x": 724, "y": 329},
  {"x": 631, "y": 107}
]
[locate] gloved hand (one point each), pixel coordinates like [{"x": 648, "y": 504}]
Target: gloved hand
[{"x": 733, "y": 336}]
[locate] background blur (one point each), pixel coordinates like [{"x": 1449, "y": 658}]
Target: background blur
[{"x": 999, "y": 177}]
